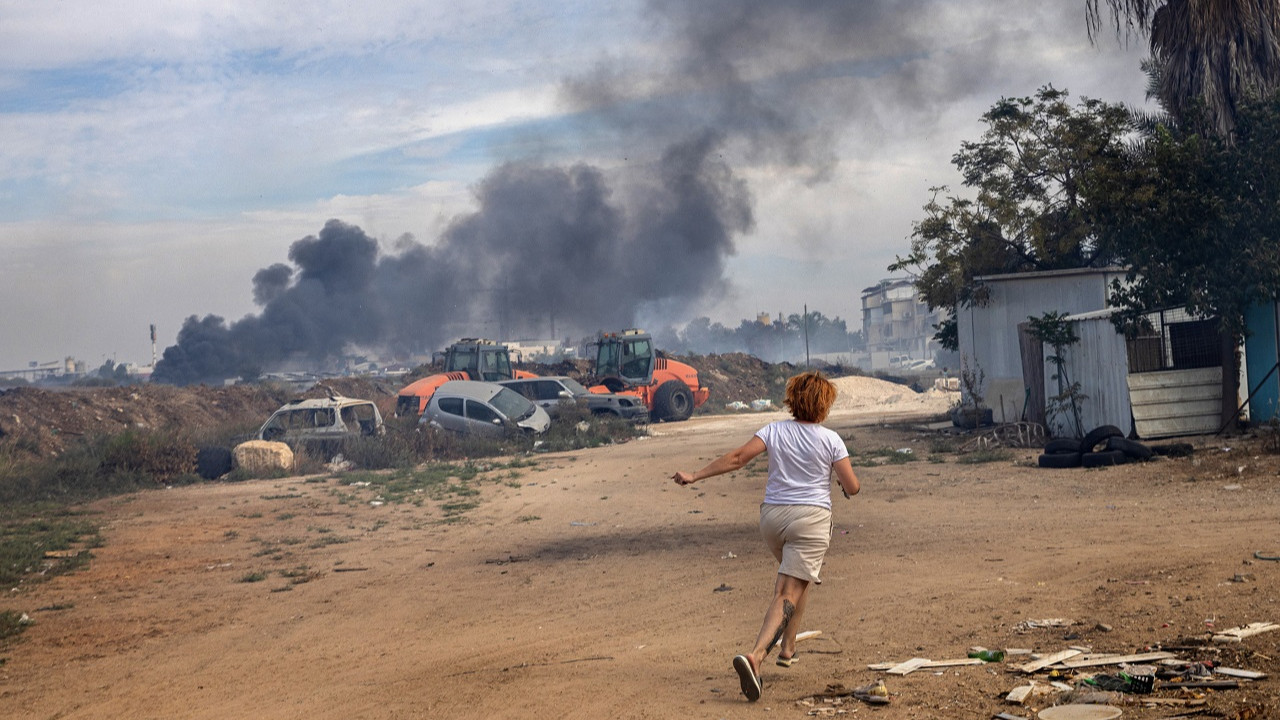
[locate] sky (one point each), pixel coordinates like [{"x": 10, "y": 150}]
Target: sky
[{"x": 363, "y": 173}]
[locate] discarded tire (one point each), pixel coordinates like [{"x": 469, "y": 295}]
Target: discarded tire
[
  {"x": 1062, "y": 445},
  {"x": 1060, "y": 460},
  {"x": 213, "y": 462},
  {"x": 1094, "y": 437},
  {"x": 1173, "y": 449},
  {"x": 1131, "y": 448},
  {"x": 1103, "y": 459}
]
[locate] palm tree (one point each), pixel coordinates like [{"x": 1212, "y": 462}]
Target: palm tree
[{"x": 1210, "y": 55}]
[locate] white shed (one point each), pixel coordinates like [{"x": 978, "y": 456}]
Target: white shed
[{"x": 988, "y": 333}]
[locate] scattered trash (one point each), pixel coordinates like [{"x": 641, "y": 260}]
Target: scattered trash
[
  {"x": 1080, "y": 712},
  {"x": 988, "y": 655},
  {"x": 736, "y": 405},
  {"x": 904, "y": 451},
  {"x": 722, "y": 588},
  {"x": 1047, "y": 623},
  {"x": 875, "y": 694},
  {"x": 730, "y": 556},
  {"x": 339, "y": 464},
  {"x": 762, "y": 404}
]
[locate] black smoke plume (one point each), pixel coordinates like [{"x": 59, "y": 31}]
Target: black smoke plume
[{"x": 569, "y": 249}]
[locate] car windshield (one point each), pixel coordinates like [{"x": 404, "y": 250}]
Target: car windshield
[
  {"x": 574, "y": 386},
  {"x": 512, "y": 404}
]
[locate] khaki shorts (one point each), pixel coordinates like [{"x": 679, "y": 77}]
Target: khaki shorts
[{"x": 798, "y": 536}]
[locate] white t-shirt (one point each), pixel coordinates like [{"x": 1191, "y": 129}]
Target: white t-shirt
[{"x": 800, "y": 460}]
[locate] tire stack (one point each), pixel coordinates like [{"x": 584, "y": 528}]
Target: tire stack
[{"x": 1101, "y": 447}]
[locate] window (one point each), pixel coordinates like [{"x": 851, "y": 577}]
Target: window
[
  {"x": 548, "y": 390},
  {"x": 527, "y": 389},
  {"x": 481, "y": 412},
  {"x": 635, "y": 358},
  {"x": 451, "y": 405},
  {"x": 511, "y": 404}
]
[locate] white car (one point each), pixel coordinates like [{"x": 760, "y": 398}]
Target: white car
[
  {"x": 322, "y": 420},
  {"x": 483, "y": 408}
]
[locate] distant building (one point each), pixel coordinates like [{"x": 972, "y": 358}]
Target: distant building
[
  {"x": 539, "y": 350},
  {"x": 898, "y": 324}
]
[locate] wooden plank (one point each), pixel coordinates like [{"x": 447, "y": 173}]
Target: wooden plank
[
  {"x": 930, "y": 664},
  {"x": 1048, "y": 660},
  {"x": 907, "y": 667},
  {"x": 1235, "y": 672},
  {"x": 1190, "y": 393},
  {"x": 1175, "y": 378},
  {"x": 1118, "y": 659},
  {"x": 807, "y": 634},
  {"x": 1182, "y": 410},
  {"x": 1244, "y": 631},
  {"x": 1201, "y": 685},
  {"x": 1019, "y": 694},
  {"x": 953, "y": 663}
]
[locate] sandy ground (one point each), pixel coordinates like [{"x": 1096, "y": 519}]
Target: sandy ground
[{"x": 589, "y": 585}]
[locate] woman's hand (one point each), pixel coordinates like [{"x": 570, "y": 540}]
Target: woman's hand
[{"x": 683, "y": 478}]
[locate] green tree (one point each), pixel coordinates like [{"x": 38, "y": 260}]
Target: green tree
[
  {"x": 1199, "y": 220},
  {"x": 1033, "y": 178},
  {"x": 1209, "y": 56}
]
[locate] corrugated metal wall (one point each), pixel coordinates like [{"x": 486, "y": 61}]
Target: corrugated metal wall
[{"x": 1099, "y": 362}]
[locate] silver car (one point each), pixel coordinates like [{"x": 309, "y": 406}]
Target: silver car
[
  {"x": 548, "y": 392},
  {"x": 483, "y": 408}
]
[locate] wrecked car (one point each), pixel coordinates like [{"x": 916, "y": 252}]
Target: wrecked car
[
  {"x": 483, "y": 408},
  {"x": 549, "y": 392},
  {"x": 322, "y": 419}
]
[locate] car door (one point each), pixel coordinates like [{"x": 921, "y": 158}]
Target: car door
[
  {"x": 448, "y": 413},
  {"x": 484, "y": 420}
]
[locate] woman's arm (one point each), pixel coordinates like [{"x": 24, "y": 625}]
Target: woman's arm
[
  {"x": 730, "y": 461},
  {"x": 846, "y": 477}
]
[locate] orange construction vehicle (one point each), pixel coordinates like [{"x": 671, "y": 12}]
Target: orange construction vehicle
[
  {"x": 628, "y": 364},
  {"x": 467, "y": 359}
]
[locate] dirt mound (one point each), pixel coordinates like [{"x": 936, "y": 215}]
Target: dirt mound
[
  {"x": 42, "y": 422},
  {"x": 858, "y": 392}
]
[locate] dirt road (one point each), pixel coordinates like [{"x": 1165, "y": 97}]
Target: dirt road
[{"x": 588, "y": 585}]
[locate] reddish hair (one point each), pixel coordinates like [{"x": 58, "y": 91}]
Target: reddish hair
[{"x": 810, "y": 396}]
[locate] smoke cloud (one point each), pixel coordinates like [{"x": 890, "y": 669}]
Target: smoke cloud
[{"x": 578, "y": 248}]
